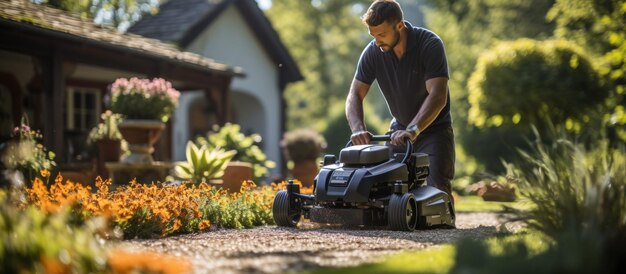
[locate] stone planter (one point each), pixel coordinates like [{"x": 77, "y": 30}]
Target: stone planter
[{"x": 141, "y": 136}]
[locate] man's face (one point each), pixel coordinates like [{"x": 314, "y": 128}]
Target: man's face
[{"x": 387, "y": 35}]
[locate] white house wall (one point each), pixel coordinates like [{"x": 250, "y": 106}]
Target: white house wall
[{"x": 229, "y": 40}]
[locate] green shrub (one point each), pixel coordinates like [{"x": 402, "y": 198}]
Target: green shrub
[
  {"x": 517, "y": 84},
  {"x": 303, "y": 144},
  {"x": 35, "y": 242},
  {"x": 229, "y": 137}
]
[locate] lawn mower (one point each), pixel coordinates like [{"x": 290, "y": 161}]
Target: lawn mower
[{"x": 369, "y": 186}]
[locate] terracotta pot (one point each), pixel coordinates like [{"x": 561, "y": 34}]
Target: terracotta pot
[
  {"x": 235, "y": 174},
  {"x": 305, "y": 172},
  {"x": 141, "y": 136},
  {"x": 108, "y": 151}
]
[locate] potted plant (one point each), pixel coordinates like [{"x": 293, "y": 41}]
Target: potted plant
[
  {"x": 107, "y": 138},
  {"x": 203, "y": 164},
  {"x": 249, "y": 161},
  {"x": 302, "y": 147},
  {"x": 145, "y": 106}
]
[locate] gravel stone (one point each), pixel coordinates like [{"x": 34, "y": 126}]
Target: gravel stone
[{"x": 271, "y": 249}]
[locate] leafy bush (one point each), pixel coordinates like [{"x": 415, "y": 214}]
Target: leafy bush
[
  {"x": 521, "y": 83},
  {"x": 36, "y": 242},
  {"x": 229, "y": 137},
  {"x": 203, "y": 164},
  {"x": 529, "y": 82}
]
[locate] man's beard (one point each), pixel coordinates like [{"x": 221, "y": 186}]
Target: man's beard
[{"x": 393, "y": 45}]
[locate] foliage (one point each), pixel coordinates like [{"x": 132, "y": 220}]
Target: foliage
[
  {"x": 469, "y": 28},
  {"x": 203, "y": 163},
  {"x": 136, "y": 98},
  {"x": 25, "y": 153},
  {"x": 229, "y": 137},
  {"x": 572, "y": 186},
  {"x": 599, "y": 27},
  {"x": 579, "y": 195},
  {"x": 526, "y": 82},
  {"x": 303, "y": 144},
  {"x": 117, "y": 13},
  {"x": 35, "y": 242},
  {"x": 325, "y": 38},
  {"x": 107, "y": 129}
]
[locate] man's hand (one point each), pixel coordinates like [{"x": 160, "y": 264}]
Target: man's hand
[
  {"x": 361, "y": 137},
  {"x": 399, "y": 137}
]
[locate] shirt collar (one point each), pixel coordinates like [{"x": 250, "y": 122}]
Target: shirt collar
[{"x": 410, "y": 34}]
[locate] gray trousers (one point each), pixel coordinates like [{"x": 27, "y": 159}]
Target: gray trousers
[{"x": 438, "y": 143}]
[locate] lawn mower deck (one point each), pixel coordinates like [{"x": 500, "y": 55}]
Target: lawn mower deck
[{"x": 368, "y": 186}]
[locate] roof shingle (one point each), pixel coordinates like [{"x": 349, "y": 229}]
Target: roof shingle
[{"x": 47, "y": 18}]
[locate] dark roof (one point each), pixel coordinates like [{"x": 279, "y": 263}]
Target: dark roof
[
  {"x": 58, "y": 22},
  {"x": 181, "y": 21}
]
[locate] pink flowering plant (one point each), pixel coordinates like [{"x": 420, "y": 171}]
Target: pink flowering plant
[{"x": 136, "y": 98}]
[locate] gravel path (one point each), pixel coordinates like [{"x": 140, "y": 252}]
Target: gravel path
[{"x": 271, "y": 249}]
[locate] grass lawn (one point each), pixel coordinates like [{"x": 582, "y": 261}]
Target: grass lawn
[
  {"x": 440, "y": 259},
  {"x": 476, "y": 204}
]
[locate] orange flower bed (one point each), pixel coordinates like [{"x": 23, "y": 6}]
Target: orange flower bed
[{"x": 145, "y": 211}]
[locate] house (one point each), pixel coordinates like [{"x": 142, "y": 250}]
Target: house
[
  {"x": 238, "y": 33},
  {"x": 55, "y": 68}
]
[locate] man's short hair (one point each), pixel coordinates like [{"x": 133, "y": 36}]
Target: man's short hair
[{"x": 381, "y": 11}]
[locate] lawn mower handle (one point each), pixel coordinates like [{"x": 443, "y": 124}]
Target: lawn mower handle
[{"x": 386, "y": 138}]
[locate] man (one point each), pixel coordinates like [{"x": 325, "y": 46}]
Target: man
[{"x": 411, "y": 68}]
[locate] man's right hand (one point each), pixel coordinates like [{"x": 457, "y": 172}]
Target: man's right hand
[{"x": 361, "y": 137}]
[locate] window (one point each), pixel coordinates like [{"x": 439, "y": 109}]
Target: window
[{"x": 82, "y": 108}]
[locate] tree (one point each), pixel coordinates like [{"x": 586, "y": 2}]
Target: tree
[
  {"x": 468, "y": 28},
  {"x": 117, "y": 13},
  {"x": 598, "y": 26},
  {"x": 326, "y": 39}
]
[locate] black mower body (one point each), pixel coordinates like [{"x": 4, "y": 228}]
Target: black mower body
[{"x": 370, "y": 186}]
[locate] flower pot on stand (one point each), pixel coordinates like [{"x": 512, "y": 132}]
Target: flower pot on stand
[
  {"x": 141, "y": 136},
  {"x": 108, "y": 151}
]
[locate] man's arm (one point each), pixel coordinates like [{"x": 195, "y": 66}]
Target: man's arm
[
  {"x": 435, "y": 101},
  {"x": 354, "y": 112}
]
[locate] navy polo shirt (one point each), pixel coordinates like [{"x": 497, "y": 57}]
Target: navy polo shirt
[{"x": 403, "y": 81}]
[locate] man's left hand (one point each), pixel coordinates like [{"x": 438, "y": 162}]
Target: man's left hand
[{"x": 399, "y": 137}]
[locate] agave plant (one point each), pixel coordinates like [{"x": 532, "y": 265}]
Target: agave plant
[{"x": 203, "y": 163}]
